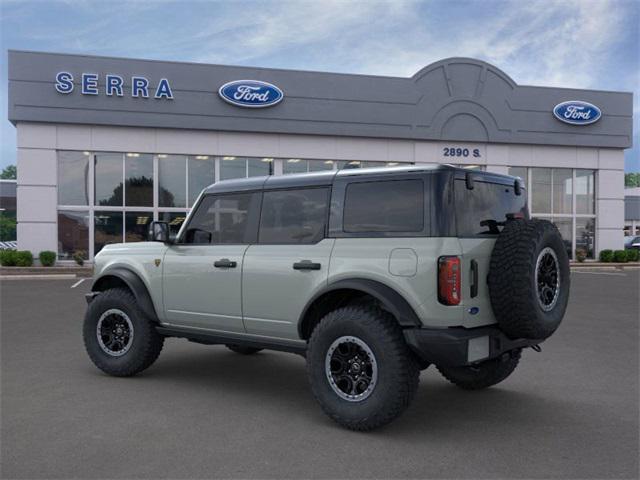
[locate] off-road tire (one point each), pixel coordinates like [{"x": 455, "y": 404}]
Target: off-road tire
[
  {"x": 512, "y": 279},
  {"x": 145, "y": 346},
  {"x": 242, "y": 349},
  {"x": 398, "y": 372},
  {"x": 483, "y": 375}
]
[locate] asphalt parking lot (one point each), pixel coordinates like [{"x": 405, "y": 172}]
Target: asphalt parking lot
[{"x": 201, "y": 412}]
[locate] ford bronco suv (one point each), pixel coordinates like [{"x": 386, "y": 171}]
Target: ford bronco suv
[{"x": 371, "y": 274}]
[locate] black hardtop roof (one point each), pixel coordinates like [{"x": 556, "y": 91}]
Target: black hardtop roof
[{"x": 327, "y": 177}]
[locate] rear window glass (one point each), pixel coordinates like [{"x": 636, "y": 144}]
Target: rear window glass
[
  {"x": 385, "y": 206},
  {"x": 482, "y": 210},
  {"x": 294, "y": 216}
]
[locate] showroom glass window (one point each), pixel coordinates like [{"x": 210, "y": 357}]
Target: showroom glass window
[
  {"x": 565, "y": 197},
  {"x": 138, "y": 173},
  {"x": 73, "y": 178},
  {"x": 108, "y": 174},
  {"x": 73, "y": 234},
  {"x": 107, "y": 228},
  {"x": 201, "y": 175},
  {"x": 172, "y": 178}
]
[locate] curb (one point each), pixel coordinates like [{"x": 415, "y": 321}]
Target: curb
[
  {"x": 605, "y": 266},
  {"x": 51, "y": 276}
]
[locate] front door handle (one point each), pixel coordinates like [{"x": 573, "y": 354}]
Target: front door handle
[
  {"x": 306, "y": 265},
  {"x": 225, "y": 263}
]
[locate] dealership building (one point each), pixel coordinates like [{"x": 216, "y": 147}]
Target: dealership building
[{"x": 106, "y": 145}]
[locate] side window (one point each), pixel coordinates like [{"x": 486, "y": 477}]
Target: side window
[
  {"x": 294, "y": 216},
  {"x": 384, "y": 206},
  {"x": 481, "y": 211},
  {"x": 222, "y": 219}
]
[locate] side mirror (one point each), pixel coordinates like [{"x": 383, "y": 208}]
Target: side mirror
[
  {"x": 468, "y": 180},
  {"x": 517, "y": 187},
  {"x": 159, "y": 232}
]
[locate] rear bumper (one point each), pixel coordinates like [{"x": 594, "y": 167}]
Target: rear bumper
[{"x": 459, "y": 346}]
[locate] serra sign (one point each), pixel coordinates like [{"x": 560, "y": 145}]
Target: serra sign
[{"x": 113, "y": 85}]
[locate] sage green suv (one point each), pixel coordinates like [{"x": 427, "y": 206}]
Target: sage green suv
[{"x": 371, "y": 274}]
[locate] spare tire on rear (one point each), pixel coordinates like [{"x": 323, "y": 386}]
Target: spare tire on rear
[{"x": 529, "y": 279}]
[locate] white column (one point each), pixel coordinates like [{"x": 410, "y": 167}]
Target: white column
[
  {"x": 37, "y": 193},
  {"x": 610, "y": 200}
]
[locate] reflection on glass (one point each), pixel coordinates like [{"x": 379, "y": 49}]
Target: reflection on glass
[
  {"x": 138, "y": 171},
  {"x": 73, "y": 178},
  {"x": 259, "y": 167},
  {"x": 320, "y": 165},
  {"x": 372, "y": 164},
  {"x": 585, "y": 191},
  {"x": 565, "y": 226},
  {"x": 233, "y": 167},
  {"x": 294, "y": 165},
  {"x": 136, "y": 228},
  {"x": 172, "y": 191},
  {"x": 108, "y": 229},
  {"x": 585, "y": 235},
  {"x": 344, "y": 165},
  {"x": 201, "y": 175},
  {"x": 108, "y": 179},
  {"x": 73, "y": 234},
  {"x": 541, "y": 190},
  {"x": 562, "y": 190},
  {"x": 174, "y": 219}
]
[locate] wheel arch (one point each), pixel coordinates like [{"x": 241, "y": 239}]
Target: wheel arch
[
  {"x": 123, "y": 277},
  {"x": 344, "y": 291}
]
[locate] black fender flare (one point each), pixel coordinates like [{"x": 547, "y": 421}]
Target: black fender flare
[
  {"x": 135, "y": 284},
  {"x": 390, "y": 299}
]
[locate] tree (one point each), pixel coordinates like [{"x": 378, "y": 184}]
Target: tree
[
  {"x": 632, "y": 180},
  {"x": 9, "y": 173}
]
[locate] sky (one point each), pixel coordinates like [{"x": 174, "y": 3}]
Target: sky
[{"x": 564, "y": 43}]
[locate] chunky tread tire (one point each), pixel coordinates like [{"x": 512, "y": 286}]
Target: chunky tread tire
[
  {"x": 242, "y": 349},
  {"x": 511, "y": 279},
  {"x": 483, "y": 375},
  {"x": 398, "y": 372},
  {"x": 147, "y": 342}
]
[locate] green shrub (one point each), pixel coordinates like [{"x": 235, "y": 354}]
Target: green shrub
[
  {"x": 47, "y": 258},
  {"x": 581, "y": 254},
  {"x": 79, "y": 256},
  {"x": 24, "y": 258},
  {"x": 633, "y": 255},
  {"x": 620, "y": 256},
  {"x": 8, "y": 258},
  {"x": 606, "y": 256}
]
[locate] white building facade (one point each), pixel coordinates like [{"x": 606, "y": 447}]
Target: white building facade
[{"x": 96, "y": 168}]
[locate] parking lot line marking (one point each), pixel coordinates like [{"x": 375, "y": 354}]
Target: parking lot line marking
[
  {"x": 78, "y": 283},
  {"x": 601, "y": 273}
]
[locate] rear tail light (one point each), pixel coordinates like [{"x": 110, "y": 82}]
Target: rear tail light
[{"x": 449, "y": 280}]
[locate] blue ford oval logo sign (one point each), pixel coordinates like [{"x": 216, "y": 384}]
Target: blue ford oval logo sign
[
  {"x": 251, "y": 93},
  {"x": 577, "y": 112}
]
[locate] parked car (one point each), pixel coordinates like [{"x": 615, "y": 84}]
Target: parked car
[
  {"x": 632, "y": 242},
  {"x": 371, "y": 274}
]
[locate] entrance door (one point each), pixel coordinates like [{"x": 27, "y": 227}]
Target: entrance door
[
  {"x": 203, "y": 271},
  {"x": 289, "y": 263}
]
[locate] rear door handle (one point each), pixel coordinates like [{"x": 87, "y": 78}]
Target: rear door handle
[
  {"x": 225, "y": 263},
  {"x": 306, "y": 265},
  {"x": 474, "y": 279}
]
